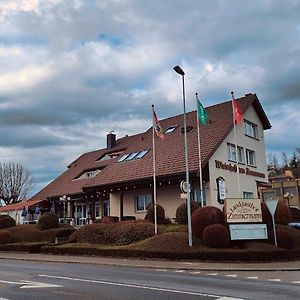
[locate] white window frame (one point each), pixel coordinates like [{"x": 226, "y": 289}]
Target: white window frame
[
  {"x": 171, "y": 129},
  {"x": 142, "y": 197},
  {"x": 248, "y": 195},
  {"x": 251, "y": 129},
  {"x": 250, "y": 158},
  {"x": 232, "y": 153}
]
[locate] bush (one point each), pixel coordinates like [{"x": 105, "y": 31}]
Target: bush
[
  {"x": 124, "y": 232},
  {"x": 5, "y": 237},
  {"x": 6, "y": 221},
  {"x": 65, "y": 232},
  {"x": 282, "y": 216},
  {"x": 48, "y": 220},
  {"x": 160, "y": 214},
  {"x": 216, "y": 236},
  {"x": 181, "y": 212},
  {"x": 205, "y": 216},
  {"x": 284, "y": 238}
]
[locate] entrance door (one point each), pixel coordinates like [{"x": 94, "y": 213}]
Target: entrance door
[
  {"x": 80, "y": 214},
  {"x": 105, "y": 208}
]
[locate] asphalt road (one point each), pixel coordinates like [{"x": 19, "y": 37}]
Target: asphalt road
[{"x": 37, "y": 280}]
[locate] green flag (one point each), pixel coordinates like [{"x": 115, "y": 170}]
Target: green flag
[{"x": 201, "y": 113}]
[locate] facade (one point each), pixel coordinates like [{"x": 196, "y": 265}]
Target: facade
[{"x": 118, "y": 180}]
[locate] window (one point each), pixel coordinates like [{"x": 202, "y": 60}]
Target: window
[
  {"x": 268, "y": 196},
  {"x": 133, "y": 155},
  {"x": 250, "y": 157},
  {"x": 247, "y": 195},
  {"x": 88, "y": 173},
  {"x": 143, "y": 202},
  {"x": 232, "y": 153},
  {"x": 251, "y": 129},
  {"x": 171, "y": 129},
  {"x": 110, "y": 155},
  {"x": 198, "y": 196},
  {"x": 97, "y": 209},
  {"x": 189, "y": 128}
]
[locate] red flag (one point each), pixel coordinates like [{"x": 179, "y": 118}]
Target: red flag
[
  {"x": 157, "y": 128},
  {"x": 238, "y": 115}
]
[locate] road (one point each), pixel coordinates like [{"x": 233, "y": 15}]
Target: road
[{"x": 36, "y": 280}]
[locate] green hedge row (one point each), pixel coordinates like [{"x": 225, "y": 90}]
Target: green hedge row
[{"x": 29, "y": 247}]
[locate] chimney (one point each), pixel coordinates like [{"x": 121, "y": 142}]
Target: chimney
[{"x": 111, "y": 140}]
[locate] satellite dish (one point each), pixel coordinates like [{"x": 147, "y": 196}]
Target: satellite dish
[{"x": 286, "y": 194}]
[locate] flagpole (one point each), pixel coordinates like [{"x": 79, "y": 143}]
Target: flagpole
[
  {"x": 199, "y": 152},
  {"x": 236, "y": 147},
  {"x": 154, "y": 173}
]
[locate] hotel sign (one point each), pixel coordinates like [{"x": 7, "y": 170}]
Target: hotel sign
[
  {"x": 233, "y": 168},
  {"x": 243, "y": 210}
]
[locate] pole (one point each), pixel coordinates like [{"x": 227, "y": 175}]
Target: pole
[
  {"x": 187, "y": 168},
  {"x": 236, "y": 148},
  {"x": 199, "y": 152},
  {"x": 154, "y": 174}
]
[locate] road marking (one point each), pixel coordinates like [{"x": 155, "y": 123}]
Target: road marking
[
  {"x": 25, "y": 284},
  {"x": 195, "y": 272},
  {"x": 298, "y": 282},
  {"x": 274, "y": 279},
  {"x": 253, "y": 277},
  {"x": 139, "y": 287},
  {"x": 231, "y": 275},
  {"x": 3, "y": 298},
  {"x": 179, "y": 271},
  {"x": 161, "y": 270},
  {"x": 212, "y": 274}
]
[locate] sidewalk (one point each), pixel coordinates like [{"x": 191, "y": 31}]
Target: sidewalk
[{"x": 154, "y": 263}]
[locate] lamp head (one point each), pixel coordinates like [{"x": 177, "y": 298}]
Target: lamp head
[
  {"x": 286, "y": 194},
  {"x": 178, "y": 70}
]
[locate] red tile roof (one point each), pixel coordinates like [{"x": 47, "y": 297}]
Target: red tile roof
[
  {"x": 169, "y": 152},
  {"x": 19, "y": 205}
]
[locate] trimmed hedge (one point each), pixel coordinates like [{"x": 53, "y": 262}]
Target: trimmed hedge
[
  {"x": 48, "y": 220},
  {"x": 284, "y": 238},
  {"x": 160, "y": 211},
  {"x": 181, "y": 212},
  {"x": 6, "y": 221},
  {"x": 216, "y": 236},
  {"x": 5, "y": 236},
  {"x": 205, "y": 216}
]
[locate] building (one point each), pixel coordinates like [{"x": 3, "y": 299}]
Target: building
[{"x": 118, "y": 180}]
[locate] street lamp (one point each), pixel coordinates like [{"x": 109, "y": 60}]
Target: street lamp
[
  {"x": 179, "y": 71},
  {"x": 64, "y": 199}
]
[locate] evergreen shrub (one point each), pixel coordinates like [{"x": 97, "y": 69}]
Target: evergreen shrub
[
  {"x": 160, "y": 214},
  {"x": 48, "y": 220},
  {"x": 205, "y": 216},
  {"x": 284, "y": 238},
  {"x": 216, "y": 236},
  {"x": 181, "y": 212},
  {"x": 6, "y": 221},
  {"x": 5, "y": 236}
]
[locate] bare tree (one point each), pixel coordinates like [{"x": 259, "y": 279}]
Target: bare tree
[
  {"x": 285, "y": 159},
  {"x": 15, "y": 182}
]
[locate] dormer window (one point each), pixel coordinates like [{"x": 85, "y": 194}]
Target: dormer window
[
  {"x": 189, "y": 128},
  {"x": 171, "y": 128},
  {"x": 133, "y": 155},
  {"x": 110, "y": 155}
]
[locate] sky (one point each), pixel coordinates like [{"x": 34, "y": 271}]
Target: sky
[{"x": 73, "y": 70}]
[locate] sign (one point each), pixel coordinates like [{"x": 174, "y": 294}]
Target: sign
[
  {"x": 248, "y": 231},
  {"x": 221, "y": 186},
  {"x": 234, "y": 168},
  {"x": 272, "y": 205},
  {"x": 183, "y": 195},
  {"x": 243, "y": 211},
  {"x": 184, "y": 187}
]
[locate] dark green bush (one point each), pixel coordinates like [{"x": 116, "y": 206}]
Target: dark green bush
[
  {"x": 65, "y": 232},
  {"x": 282, "y": 216},
  {"x": 124, "y": 232},
  {"x": 6, "y": 221},
  {"x": 160, "y": 214},
  {"x": 5, "y": 237},
  {"x": 284, "y": 238},
  {"x": 216, "y": 236},
  {"x": 205, "y": 216},
  {"x": 181, "y": 212},
  {"x": 48, "y": 220}
]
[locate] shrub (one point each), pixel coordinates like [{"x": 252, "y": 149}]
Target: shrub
[
  {"x": 282, "y": 216},
  {"x": 5, "y": 237},
  {"x": 108, "y": 220},
  {"x": 216, "y": 236},
  {"x": 284, "y": 238},
  {"x": 160, "y": 214},
  {"x": 181, "y": 212},
  {"x": 124, "y": 232},
  {"x": 205, "y": 216},
  {"x": 65, "y": 232},
  {"x": 6, "y": 221},
  {"x": 48, "y": 220}
]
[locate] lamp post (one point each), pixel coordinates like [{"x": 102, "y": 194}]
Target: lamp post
[
  {"x": 179, "y": 71},
  {"x": 64, "y": 199}
]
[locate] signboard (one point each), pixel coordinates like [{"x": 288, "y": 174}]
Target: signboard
[
  {"x": 272, "y": 205},
  {"x": 248, "y": 231},
  {"x": 243, "y": 211},
  {"x": 221, "y": 189}
]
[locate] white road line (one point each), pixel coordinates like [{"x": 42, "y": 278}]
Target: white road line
[
  {"x": 212, "y": 274},
  {"x": 297, "y": 282},
  {"x": 253, "y": 277},
  {"x": 231, "y": 275},
  {"x": 179, "y": 271},
  {"x": 195, "y": 272},
  {"x": 3, "y": 298},
  {"x": 138, "y": 287},
  {"x": 274, "y": 279},
  {"x": 161, "y": 270}
]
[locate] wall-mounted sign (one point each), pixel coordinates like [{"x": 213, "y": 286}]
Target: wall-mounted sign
[
  {"x": 184, "y": 187},
  {"x": 233, "y": 168},
  {"x": 243, "y": 211},
  {"x": 248, "y": 231},
  {"x": 221, "y": 187}
]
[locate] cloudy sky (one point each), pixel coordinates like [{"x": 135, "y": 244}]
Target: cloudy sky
[{"x": 73, "y": 70}]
